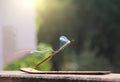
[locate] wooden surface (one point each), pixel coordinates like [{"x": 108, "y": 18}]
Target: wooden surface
[{"x": 18, "y": 76}]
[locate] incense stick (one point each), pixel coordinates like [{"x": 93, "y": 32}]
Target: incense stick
[{"x": 54, "y": 53}]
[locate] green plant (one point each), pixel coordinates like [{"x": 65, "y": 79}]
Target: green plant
[{"x": 32, "y": 59}]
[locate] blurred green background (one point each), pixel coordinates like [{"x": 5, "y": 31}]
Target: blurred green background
[
  {"x": 32, "y": 59},
  {"x": 93, "y": 24}
]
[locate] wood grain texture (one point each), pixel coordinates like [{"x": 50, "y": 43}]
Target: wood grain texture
[{"x": 18, "y": 76}]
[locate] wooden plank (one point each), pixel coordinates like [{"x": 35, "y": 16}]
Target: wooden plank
[{"x": 18, "y": 76}]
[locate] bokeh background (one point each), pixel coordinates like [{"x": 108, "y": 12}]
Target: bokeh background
[{"x": 93, "y": 24}]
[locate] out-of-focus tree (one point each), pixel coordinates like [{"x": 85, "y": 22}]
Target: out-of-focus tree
[
  {"x": 106, "y": 41},
  {"x": 94, "y": 24}
]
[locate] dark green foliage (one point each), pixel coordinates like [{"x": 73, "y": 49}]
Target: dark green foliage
[{"x": 94, "y": 24}]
